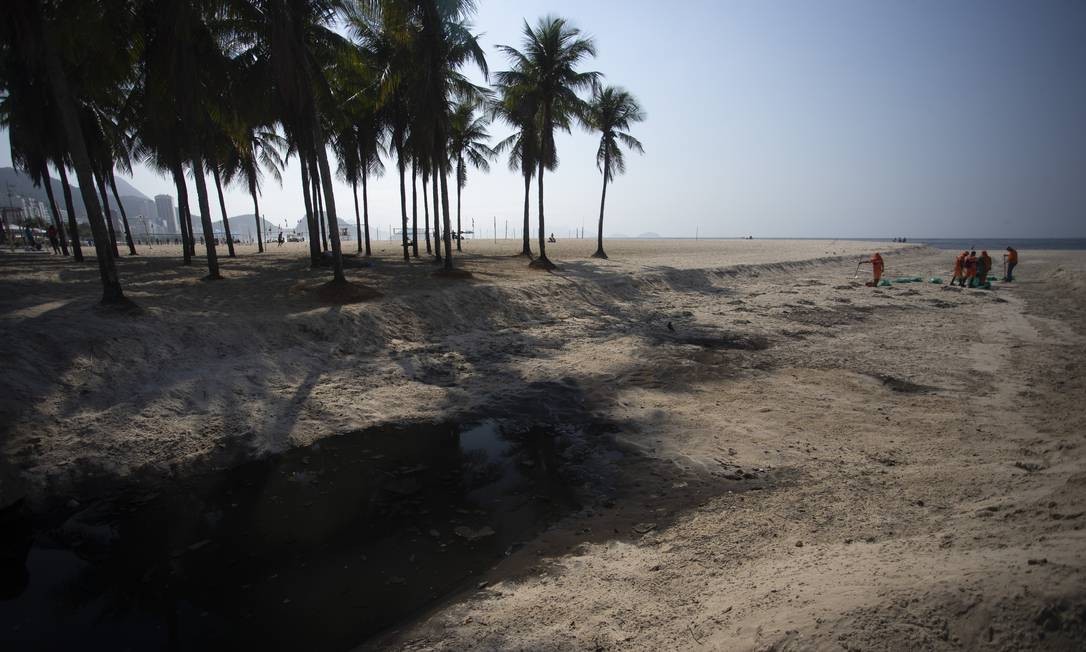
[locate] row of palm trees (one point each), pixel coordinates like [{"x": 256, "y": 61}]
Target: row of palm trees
[{"x": 232, "y": 88}]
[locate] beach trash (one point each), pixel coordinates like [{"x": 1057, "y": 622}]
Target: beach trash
[
  {"x": 884, "y": 284},
  {"x": 907, "y": 279},
  {"x": 935, "y": 279}
]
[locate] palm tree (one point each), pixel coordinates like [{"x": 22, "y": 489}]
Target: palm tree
[
  {"x": 516, "y": 106},
  {"x": 610, "y": 111},
  {"x": 259, "y": 149},
  {"x": 370, "y": 126},
  {"x": 438, "y": 38},
  {"x": 547, "y": 72},
  {"x": 181, "y": 60},
  {"x": 345, "y": 147},
  {"x": 292, "y": 45},
  {"x": 29, "y": 135},
  {"x": 467, "y": 144},
  {"x": 29, "y": 52}
]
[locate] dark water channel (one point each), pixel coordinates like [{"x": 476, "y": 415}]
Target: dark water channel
[{"x": 314, "y": 549}]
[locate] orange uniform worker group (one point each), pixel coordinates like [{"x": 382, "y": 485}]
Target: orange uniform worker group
[{"x": 970, "y": 270}]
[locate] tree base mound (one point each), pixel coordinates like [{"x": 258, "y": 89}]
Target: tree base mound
[
  {"x": 452, "y": 273},
  {"x": 212, "y": 277},
  {"x": 600, "y": 254},
  {"x": 344, "y": 292},
  {"x": 121, "y": 306},
  {"x": 542, "y": 263},
  {"x": 524, "y": 254}
]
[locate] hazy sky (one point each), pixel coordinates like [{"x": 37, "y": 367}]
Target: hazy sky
[{"x": 850, "y": 118}]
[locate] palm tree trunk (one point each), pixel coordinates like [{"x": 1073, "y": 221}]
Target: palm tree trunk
[
  {"x": 459, "y": 229},
  {"x": 188, "y": 225},
  {"x": 357, "y": 218},
  {"x": 256, "y": 216},
  {"x": 317, "y": 199},
  {"x": 446, "y": 217},
  {"x": 182, "y": 211},
  {"x": 414, "y": 208},
  {"x": 109, "y": 216},
  {"x": 314, "y": 230},
  {"x": 124, "y": 215},
  {"x": 603, "y": 200},
  {"x": 330, "y": 205},
  {"x": 205, "y": 219},
  {"x": 403, "y": 203},
  {"x": 437, "y": 214},
  {"x": 542, "y": 262},
  {"x": 366, "y": 211},
  {"x": 73, "y": 131},
  {"x": 57, "y": 224},
  {"x": 526, "y": 248},
  {"x": 426, "y": 215},
  {"x": 73, "y": 226},
  {"x": 222, "y": 207}
]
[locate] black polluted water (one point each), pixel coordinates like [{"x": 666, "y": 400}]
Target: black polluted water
[{"x": 318, "y": 548}]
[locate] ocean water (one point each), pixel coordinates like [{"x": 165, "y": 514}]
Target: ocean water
[{"x": 1000, "y": 244}]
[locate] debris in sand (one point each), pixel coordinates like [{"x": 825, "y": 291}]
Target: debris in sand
[
  {"x": 644, "y": 528},
  {"x": 470, "y": 534},
  {"x": 1029, "y": 467}
]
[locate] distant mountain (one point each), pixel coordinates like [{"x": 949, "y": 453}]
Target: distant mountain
[
  {"x": 649, "y": 234},
  {"x": 135, "y": 202},
  {"x": 241, "y": 226},
  {"x": 302, "y": 228}
]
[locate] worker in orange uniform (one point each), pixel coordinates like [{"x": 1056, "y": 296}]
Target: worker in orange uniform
[
  {"x": 876, "y": 268},
  {"x": 1010, "y": 259},
  {"x": 984, "y": 267},
  {"x": 970, "y": 270},
  {"x": 959, "y": 268}
]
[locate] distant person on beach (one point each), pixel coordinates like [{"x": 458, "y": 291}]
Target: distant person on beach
[
  {"x": 984, "y": 267},
  {"x": 1010, "y": 259},
  {"x": 876, "y": 269},
  {"x": 51, "y": 233},
  {"x": 552, "y": 238},
  {"x": 29, "y": 233},
  {"x": 959, "y": 268},
  {"x": 280, "y": 240}
]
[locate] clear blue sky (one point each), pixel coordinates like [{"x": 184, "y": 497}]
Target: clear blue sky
[{"x": 849, "y": 118}]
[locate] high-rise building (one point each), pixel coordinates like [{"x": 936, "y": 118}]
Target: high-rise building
[{"x": 166, "y": 215}]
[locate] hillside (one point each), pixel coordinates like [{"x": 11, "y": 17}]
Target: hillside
[{"x": 20, "y": 184}]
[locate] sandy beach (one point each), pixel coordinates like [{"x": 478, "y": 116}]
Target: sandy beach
[{"x": 766, "y": 454}]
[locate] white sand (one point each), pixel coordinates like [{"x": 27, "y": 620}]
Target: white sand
[{"x": 918, "y": 510}]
